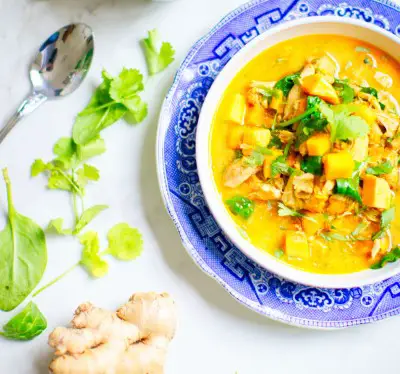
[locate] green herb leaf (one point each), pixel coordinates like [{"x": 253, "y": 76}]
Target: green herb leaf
[
  {"x": 255, "y": 159},
  {"x": 157, "y": 59},
  {"x": 94, "y": 148},
  {"x": 383, "y": 168},
  {"x": 390, "y": 257},
  {"x": 284, "y": 211},
  {"x": 124, "y": 242},
  {"x": 113, "y": 99},
  {"x": 279, "y": 253},
  {"x": 87, "y": 216},
  {"x": 279, "y": 166},
  {"x": 26, "y": 325},
  {"x": 345, "y": 92},
  {"x": 351, "y": 186},
  {"x": 312, "y": 164},
  {"x": 241, "y": 206},
  {"x": 91, "y": 258},
  {"x": 56, "y": 226},
  {"x": 370, "y": 90},
  {"x": 386, "y": 219},
  {"x": 343, "y": 126},
  {"x": 23, "y": 255},
  {"x": 38, "y": 167},
  {"x": 286, "y": 83}
]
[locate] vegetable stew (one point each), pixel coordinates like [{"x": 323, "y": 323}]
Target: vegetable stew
[{"x": 305, "y": 151}]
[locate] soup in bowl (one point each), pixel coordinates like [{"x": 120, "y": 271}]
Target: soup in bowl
[{"x": 298, "y": 150}]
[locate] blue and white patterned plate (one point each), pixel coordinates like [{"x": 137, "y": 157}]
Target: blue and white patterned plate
[{"x": 246, "y": 281}]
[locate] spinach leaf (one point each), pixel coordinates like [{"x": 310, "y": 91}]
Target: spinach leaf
[
  {"x": 383, "y": 168},
  {"x": 312, "y": 164},
  {"x": 26, "y": 325},
  {"x": 389, "y": 257},
  {"x": 286, "y": 83},
  {"x": 23, "y": 255},
  {"x": 241, "y": 206}
]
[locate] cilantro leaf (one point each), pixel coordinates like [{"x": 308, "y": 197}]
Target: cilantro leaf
[
  {"x": 280, "y": 166},
  {"x": 370, "y": 90},
  {"x": 128, "y": 83},
  {"x": 389, "y": 257},
  {"x": 56, "y": 226},
  {"x": 112, "y": 100},
  {"x": 383, "y": 168},
  {"x": 346, "y": 93},
  {"x": 87, "y": 216},
  {"x": 386, "y": 219},
  {"x": 286, "y": 83},
  {"x": 343, "y": 126},
  {"x": 94, "y": 148},
  {"x": 124, "y": 242},
  {"x": 91, "y": 258},
  {"x": 157, "y": 59},
  {"x": 284, "y": 211}
]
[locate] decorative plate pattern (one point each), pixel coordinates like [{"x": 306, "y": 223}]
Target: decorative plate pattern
[{"x": 245, "y": 280}]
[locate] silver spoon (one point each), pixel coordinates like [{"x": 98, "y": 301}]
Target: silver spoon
[{"x": 59, "y": 68}]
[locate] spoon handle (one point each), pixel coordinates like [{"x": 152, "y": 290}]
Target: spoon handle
[{"x": 27, "y": 106}]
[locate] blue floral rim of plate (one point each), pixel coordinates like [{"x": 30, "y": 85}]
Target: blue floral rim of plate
[{"x": 206, "y": 243}]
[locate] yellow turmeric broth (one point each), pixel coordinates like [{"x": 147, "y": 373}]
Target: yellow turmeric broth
[{"x": 323, "y": 227}]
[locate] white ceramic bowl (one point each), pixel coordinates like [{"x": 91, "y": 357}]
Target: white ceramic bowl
[{"x": 306, "y": 26}]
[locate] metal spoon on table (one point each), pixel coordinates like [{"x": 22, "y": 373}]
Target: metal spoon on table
[{"x": 59, "y": 68}]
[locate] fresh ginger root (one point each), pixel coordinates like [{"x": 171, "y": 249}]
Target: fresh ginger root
[{"x": 132, "y": 340}]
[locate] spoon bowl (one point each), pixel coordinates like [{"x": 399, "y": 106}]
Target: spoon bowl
[{"x": 58, "y": 69}]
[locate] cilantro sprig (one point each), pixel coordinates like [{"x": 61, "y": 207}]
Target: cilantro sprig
[{"x": 157, "y": 58}]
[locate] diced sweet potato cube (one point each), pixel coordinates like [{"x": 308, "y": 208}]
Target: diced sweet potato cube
[
  {"x": 237, "y": 110},
  {"x": 255, "y": 136},
  {"x": 235, "y": 136},
  {"x": 338, "y": 165},
  {"x": 255, "y": 116},
  {"x": 313, "y": 222},
  {"x": 318, "y": 144},
  {"x": 376, "y": 192},
  {"x": 296, "y": 244},
  {"x": 277, "y": 102},
  {"x": 317, "y": 85},
  {"x": 268, "y": 161}
]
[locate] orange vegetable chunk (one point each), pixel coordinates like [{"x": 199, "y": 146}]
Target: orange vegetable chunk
[
  {"x": 312, "y": 223},
  {"x": 255, "y": 136},
  {"x": 255, "y": 116},
  {"x": 338, "y": 165},
  {"x": 296, "y": 244},
  {"x": 376, "y": 192},
  {"x": 318, "y": 144},
  {"x": 317, "y": 85},
  {"x": 237, "y": 110},
  {"x": 235, "y": 137}
]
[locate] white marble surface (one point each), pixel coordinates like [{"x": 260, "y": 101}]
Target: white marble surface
[{"x": 216, "y": 335}]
